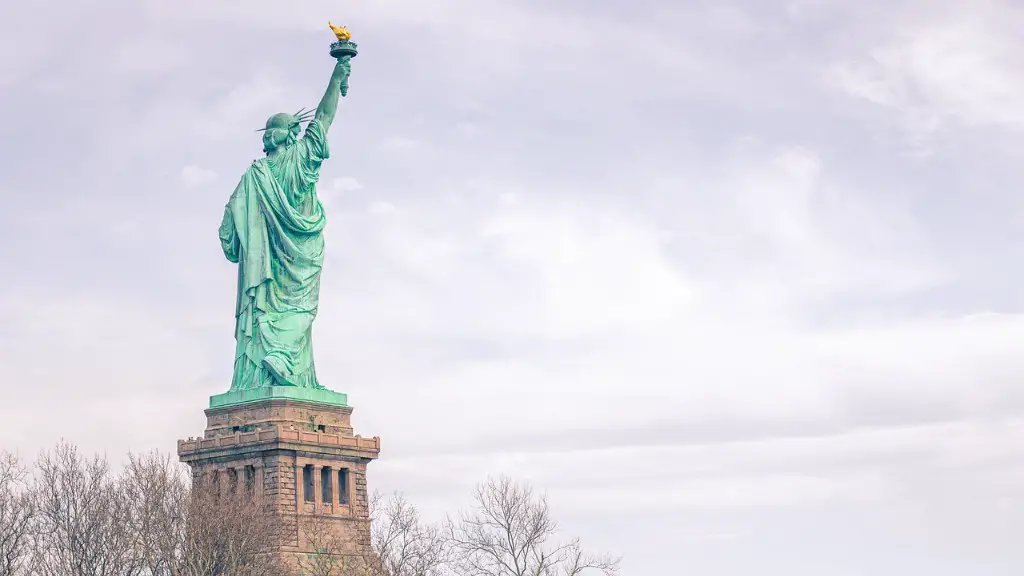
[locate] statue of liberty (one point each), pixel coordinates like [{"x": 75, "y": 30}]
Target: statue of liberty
[{"x": 273, "y": 229}]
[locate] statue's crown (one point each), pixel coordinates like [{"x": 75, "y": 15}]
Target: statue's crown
[{"x": 288, "y": 121}]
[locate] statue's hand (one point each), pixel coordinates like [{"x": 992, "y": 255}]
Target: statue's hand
[
  {"x": 342, "y": 71},
  {"x": 345, "y": 66}
]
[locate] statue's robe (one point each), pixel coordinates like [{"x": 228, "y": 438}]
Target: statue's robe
[{"x": 273, "y": 228}]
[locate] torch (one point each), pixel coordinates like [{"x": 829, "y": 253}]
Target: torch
[{"x": 344, "y": 48}]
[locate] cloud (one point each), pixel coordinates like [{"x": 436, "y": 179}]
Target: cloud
[
  {"x": 22, "y": 48},
  {"x": 193, "y": 176},
  {"x": 860, "y": 467},
  {"x": 336, "y": 195},
  {"x": 399, "y": 143},
  {"x": 109, "y": 359},
  {"x": 775, "y": 231},
  {"x": 346, "y": 184},
  {"x": 379, "y": 207},
  {"x": 467, "y": 129},
  {"x": 945, "y": 69}
]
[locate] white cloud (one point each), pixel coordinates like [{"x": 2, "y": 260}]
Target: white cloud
[
  {"x": 399, "y": 143},
  {"x": 193, "y": 176},
  {"x": 22, "y": 47},
  {"x": 336, "y": 194},
  {"x": 801, "y": 9},
  {"x": 775, "y": 230},
  {"x": 949, "y": 68},
  {"x": 379, "y": 207},
  {"x": 467, "y": 129},
  {"x": 108, "y": 358},
  {"x": 346, "y": 184},
  {"x": 873, "y": 466},
  {"x": 262, "y": 94},
  {"x": 598, "y": 270}
]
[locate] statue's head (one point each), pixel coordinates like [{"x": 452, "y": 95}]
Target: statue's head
[{"x": 283, "y": 129}]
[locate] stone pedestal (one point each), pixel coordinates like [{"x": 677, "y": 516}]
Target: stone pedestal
[{"x": 300, "y": 456}]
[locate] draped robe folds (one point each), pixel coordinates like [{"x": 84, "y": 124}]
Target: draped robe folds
[{"x": 273, "y": 228}]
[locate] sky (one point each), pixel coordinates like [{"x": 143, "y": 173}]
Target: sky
[{"x": 736, "y": 283}]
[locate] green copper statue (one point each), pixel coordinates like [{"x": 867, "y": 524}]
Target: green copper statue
[{"x": 273, "y": 229}]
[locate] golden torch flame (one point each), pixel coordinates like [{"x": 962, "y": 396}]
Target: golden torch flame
[{"x": 340, "y": 32}]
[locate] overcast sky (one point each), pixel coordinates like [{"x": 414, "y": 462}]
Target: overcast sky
[{"x": 737, "y": 283}]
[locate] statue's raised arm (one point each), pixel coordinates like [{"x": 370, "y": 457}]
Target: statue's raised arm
[{"x": 328, "y": 106}]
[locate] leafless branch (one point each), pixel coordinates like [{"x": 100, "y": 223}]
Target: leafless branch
[
  {"x": 82, "y": 524},
  {"x": 157, "y": 489},
  {"x": 148, "y": 521},
  {"x": 508, "y": 533},
  {"x": 228, "y": 534},
  {"x": 402, "y": 543},
  {"x": 73, "y": 517},
  {"x": 16, "y": 514}
]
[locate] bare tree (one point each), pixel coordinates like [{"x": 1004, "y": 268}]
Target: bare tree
[
  {"x": 184, "y": 530},
  {"x": 149, "y": 521},
  {"x": 403, "y": 544},
  {"x": 76, "y": 518},
  {"x": 507, "y": 533},
  {"x": 229, "y": 534},
  {"x": 82, "y": 518},
  {"x": 158, "y": 491},
  {"x": 16, "y": 514}
]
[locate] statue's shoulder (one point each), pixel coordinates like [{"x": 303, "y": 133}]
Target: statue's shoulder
[
  {"x": 258, "y": 166},
  {"x": 251, "y": 176}
]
